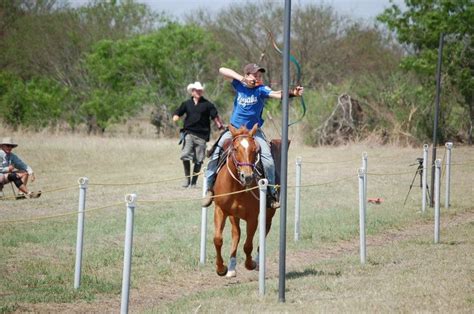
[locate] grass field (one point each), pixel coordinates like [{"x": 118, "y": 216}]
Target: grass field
[{"x": 405, "y": 271}]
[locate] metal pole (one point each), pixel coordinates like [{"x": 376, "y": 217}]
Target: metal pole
[
  {"x": 436, "y": 199},
  {"x": 297, "y": 199},
  {"x": 202, "y": 255},
  {"x": 80, "y": 230},
  {"x": 127, "y": 256},
  {"x": 436, "y": 115},
  {"x": 262, "y": 228},
  {"x": 284, "y": 150},
  {"x": 449, "y": 146},
  {"x": 423, "y": 178},
  {"x": 362, "y": 202},
  {"x": 365, "y": 165}
]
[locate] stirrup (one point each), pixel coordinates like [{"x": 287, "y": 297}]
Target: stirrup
[{"x": 207, "y": 200}]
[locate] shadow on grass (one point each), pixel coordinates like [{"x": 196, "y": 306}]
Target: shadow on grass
[{"x": 311, "y": 272}]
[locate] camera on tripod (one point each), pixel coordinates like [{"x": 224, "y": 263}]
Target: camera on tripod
[
  {"x": 418, "y": 171},
  {"x": 419, "y": 163}
]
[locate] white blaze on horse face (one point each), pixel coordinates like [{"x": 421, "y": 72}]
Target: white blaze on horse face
[{"x": 244, "y": 143}]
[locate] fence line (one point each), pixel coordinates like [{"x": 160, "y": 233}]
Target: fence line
[
  {"x": 55, "y": 216},
  {"x": 197, "y": 198}
]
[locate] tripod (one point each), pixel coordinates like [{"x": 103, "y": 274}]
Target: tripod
[{"x": 419, "y": 170}]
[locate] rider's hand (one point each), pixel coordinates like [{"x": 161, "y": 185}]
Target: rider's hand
[
  {"x": 175, "y": 118},
  {"x": 249, "y": 82},
  {"x": 298, "y": 91},
  {"x": 11, "y": 168}
]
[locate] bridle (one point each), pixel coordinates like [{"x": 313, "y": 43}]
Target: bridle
[{"x": 239, "y": 164}]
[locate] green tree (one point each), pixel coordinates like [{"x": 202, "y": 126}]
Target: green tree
[
  {"x": 420, "y": 27},
  {"x": 125, "y": 75},
  {"x": 36, "y": 103}
]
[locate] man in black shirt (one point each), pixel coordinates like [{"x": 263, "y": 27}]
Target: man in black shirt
[{"x": 197, "y": 129}]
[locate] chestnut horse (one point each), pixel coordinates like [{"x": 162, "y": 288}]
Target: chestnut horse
[{"x": 239, "y": 173}]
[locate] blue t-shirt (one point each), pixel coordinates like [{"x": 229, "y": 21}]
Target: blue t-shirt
[{"x": 248, "y": 105}]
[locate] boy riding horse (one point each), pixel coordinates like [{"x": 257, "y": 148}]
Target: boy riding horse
[{"x": 249, "y": 101}]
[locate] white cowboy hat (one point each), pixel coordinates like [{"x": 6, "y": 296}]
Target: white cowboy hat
[
  {"x": 8, "y": 141},
  {"x": 195, "y": 85}
]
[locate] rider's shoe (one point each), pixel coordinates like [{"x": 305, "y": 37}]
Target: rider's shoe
[
  {"x": 207, "y": 200},
  {"x": 272, "y": 202}
]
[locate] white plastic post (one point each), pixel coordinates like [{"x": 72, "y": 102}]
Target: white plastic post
[
  {"x": 130, "y": 199},
  {"x": 365, "y": 166},
  {"x": 362, "y": 202},
  {"x": 297, "y": 199},
  {"x": 436, "y": 199},
  {"x": 80, "y": 230},
  {"x": 449, "y": 146},
  {"x": 262, "y": 229},
  {"x": 423, "y": 178},
  {"x": 202, "y": 255}
]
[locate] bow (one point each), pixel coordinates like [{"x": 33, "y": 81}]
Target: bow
[{"x": 298, "y": 75}]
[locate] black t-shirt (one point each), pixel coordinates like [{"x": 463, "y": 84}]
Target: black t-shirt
[{"x": 198, "y": 117}]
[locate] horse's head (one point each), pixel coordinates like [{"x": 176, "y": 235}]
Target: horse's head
[{"x": 244, "y": 153}]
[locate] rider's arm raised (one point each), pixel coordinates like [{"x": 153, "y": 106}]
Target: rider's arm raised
[{"x": 230, "y": 74}]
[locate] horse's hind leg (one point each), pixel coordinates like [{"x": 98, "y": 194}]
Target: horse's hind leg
[
  {"x": 269, "y": 216},
  {"x": 248, "y": 246},
  {"x": 235, "y": 243},
  {"x": 219, "y": 223}
]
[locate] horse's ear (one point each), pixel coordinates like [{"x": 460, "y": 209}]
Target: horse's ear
[
  {"x": 232, "y": 130},
  {"x": 253, "y": 130}
]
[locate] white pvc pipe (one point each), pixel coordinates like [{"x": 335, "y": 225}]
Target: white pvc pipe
[
  {"x": 362, "y": 202},
  {"x": 365, "y": 166},
  {"x": 436, "y": 200},
  {"x": 449, "y": 146},
  {"x": 127, "y": 256},
  {"x": 297, "y": 199},
  {"x": 423, "y": 178},
  {"x": 202, "y": 255},
  {"x": 262, "y": 226},
  {"x": 80, "y": 230}
]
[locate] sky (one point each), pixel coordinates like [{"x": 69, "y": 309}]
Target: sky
[{"x": 365, "y": 9}]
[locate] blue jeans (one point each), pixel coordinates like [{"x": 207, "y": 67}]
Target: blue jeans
[{"x": 265, "y": 154}]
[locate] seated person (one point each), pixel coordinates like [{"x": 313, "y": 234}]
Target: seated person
[{"x": 13, "y": 169}]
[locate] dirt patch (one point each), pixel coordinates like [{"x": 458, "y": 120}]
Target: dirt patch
[{"x": 153, "y": 295}]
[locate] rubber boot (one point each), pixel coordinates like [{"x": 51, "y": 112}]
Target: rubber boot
[
  {"x": 187, "y": 173},
  {"x": 196, "y": 170}
]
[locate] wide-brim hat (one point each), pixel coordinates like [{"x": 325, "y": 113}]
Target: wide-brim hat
[
  {"x": 8, "y": 141},
  {"x": 195, "y": 85}
]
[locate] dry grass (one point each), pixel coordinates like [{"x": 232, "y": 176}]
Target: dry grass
[{"x": 37, "y": 257}]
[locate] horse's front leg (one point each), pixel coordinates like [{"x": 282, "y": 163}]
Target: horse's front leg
[
  {"x": 235, "y": 243},
  {"x": 219, "y": 223},
  {"x": 268, "y": 225},
  {"x": 248, "y": 246}
]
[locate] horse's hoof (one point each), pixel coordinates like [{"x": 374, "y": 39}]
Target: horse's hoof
[
  {"x": 222, "y": 273},
  {"x": 252, "y": 265},
  {"x": 231, "y": 273}
]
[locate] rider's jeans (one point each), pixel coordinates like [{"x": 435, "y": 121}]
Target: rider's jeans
[{"x": 265, "y": 154}]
